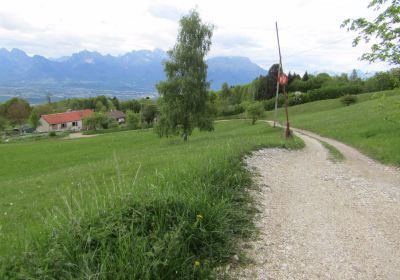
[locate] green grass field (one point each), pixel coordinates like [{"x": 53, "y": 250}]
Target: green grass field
[
  {"x": 372, "y": 125},
  {"x": 127, "y": 203}
]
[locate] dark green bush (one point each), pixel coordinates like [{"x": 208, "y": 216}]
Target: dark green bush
[
  {"x": 231, "y": 110},
  {"x": 331, "y": 92},
  {"x": 348, "y": 99},
  {"x": 52, "y": 133}
]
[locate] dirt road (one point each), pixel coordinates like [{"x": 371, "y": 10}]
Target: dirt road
[{"x": 323, "y": 220}]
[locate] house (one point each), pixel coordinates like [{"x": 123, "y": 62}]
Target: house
[
  {"x": 71, "y": 120},
  {"x": 117, "y": 115}
]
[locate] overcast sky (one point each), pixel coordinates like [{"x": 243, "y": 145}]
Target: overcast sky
[{"x": 311, "y": 37}]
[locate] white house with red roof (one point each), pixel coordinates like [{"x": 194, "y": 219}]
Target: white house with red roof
[{"x": 63, "y": 121}]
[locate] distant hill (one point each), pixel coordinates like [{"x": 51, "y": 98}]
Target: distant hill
[{"x": 136, "y": 71}]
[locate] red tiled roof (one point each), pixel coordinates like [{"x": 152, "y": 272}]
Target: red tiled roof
[{"x": 67, "y": 116}]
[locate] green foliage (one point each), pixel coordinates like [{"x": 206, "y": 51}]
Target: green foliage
[
  {"x": 383, "y": 81},
  {"x": 3, "y": 123},
  {"x": 230, "y": 110},
  {"x": 52, "y": 134},
  {"x": 255, "y": 111},
  {"x": 331, "y": 92},
  {"x": 384, "y": 28},
  {"x": 17, "y": 110},
  {"x": 149, "y": 113},
  {"x": 132, "y": 119},
  {"x": 225, "y": 92},
  {"x": 96, "y": 121},
  {"x": 183, "y": 96},
  {"x": 305, "y": 77},
  {"x": 122, "y": 211},
  {"x": 34, "y": 120},
  {"x": 130, "y": 105},
  {"x": 348, "y": 99}
]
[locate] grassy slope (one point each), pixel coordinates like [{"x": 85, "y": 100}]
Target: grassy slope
[
  {"x": 372, "y": 125},
  {"x": 201, "y": 176}
]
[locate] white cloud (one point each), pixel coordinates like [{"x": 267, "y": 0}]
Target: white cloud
[
  {"x": 165, "y": 11},
  {"x": 311, "y": 37}
]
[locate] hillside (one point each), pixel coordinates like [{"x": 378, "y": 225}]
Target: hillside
[{"x": 371, "y": 125}]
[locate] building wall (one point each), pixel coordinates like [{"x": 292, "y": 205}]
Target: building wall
[{"x": 45, "y": 127}]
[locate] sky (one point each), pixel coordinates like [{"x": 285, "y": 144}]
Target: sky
[{"x": 310, "y": 34}]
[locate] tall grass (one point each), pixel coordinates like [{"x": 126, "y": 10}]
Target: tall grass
[{"x": 180, "y": 222}]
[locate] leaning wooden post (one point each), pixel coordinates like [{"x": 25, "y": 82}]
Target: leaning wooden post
[
  {"x": 282, "y": 80},
  {"x": 276, "y": 96}
]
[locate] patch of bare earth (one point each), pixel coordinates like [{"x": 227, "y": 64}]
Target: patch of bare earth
[
  {"x": 77, "y": 135},
  {"x": 323, "y": 220}
]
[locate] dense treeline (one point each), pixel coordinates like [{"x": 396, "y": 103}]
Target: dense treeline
[
  {"x": 232, "y": 100},
  {"x": 18, "y": 113}
]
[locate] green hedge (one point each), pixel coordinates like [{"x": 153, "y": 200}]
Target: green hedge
[{"x": 329, "y": 92}]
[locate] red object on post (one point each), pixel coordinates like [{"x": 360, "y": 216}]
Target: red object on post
[{"x": 283, "y": 79}]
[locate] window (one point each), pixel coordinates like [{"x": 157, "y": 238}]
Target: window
[
  {"x": 74, "y": 123},
  {"x": 53, "y": 127},
  {"x": 63, "y": 125}
]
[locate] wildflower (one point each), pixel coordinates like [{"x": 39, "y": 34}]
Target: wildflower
[
  {"x": 199, "y": 217},
  {"x": 197, "y": 263}
]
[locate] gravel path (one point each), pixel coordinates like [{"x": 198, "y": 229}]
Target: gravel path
[{"x": 323, "y": 220}]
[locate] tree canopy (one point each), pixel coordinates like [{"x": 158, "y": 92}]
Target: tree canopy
[
  {"x": 184, "y": 95},
  {"x": 17, "y": 111},
  {"x": 384, "y": 28}
]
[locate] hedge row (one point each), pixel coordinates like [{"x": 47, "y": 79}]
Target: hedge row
[{"x": 330, "y": 92}]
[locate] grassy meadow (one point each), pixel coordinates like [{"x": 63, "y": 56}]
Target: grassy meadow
[
  {"x": 127, "y": 204},
  {"x": 372, "y": 125}
]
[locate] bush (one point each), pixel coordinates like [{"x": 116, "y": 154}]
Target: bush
[
  {"x": 331, "y": 92},
  {"x": 231, "y": 110},
  {"x": 133, "y": 119},
  {"x": 52, "y": 134},
  {"x": 95, "y": 121},
  {"x": 348, "y": 99},
  {"x": 255, "y": 111},
  {"x": 270, "y": 104}
]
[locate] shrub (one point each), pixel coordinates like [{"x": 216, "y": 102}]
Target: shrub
[
  {"x": 255, "y": 111},
  {"x": 133, "y": 119},
  {"x": 52, "y": 133},
  {"x": 112, "y": 124},
  {"x": 348, "y": 99},
  {"x": 331, "y": 92},
  {"x": 270, "y": 104},
  {"x": 95, "y": 121},
  {"x": 231, "y": 110}
]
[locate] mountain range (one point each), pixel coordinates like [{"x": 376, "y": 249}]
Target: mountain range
[{"x": 136, "y": 71}]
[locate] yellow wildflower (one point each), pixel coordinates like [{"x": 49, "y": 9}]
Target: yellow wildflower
[
  {"x": 199, "y": 217},
  {"x": 197, "y": 263}
]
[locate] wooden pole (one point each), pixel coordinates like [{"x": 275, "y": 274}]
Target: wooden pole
[
  {"x": 287, "y": 132},
  {"x": 276, "y": 97}
]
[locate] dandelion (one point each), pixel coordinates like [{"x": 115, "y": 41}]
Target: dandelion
[
  {"x": 197, "y": 263},
  {"x": 199, "y": 217}
]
